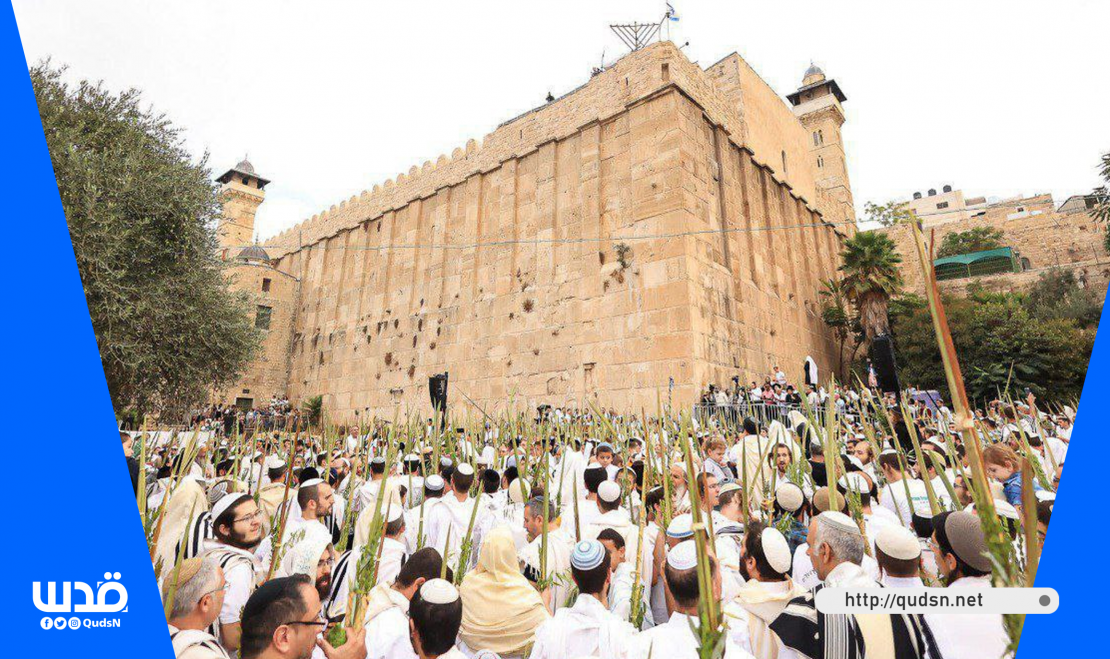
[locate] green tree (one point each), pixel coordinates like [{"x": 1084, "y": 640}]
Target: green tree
[
  {"x": 978, "y": 239},
  {"x": 890, "y": 213},
  {"x": 1002, "y": 347},
  {"x": 141, "y": 216},
  {"x": 1102, "y": 198},
  {"x": 1057, "y": 294},
  {"x": 871, "y": 277},
  {"x": 836, "y": 314}
]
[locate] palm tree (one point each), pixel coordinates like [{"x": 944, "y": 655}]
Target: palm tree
[
  {"x": 834, "y": 312},
  {"x": 871, "y": 277}
]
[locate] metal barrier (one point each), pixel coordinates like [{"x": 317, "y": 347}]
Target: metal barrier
[{"x": 733, "y": 414}]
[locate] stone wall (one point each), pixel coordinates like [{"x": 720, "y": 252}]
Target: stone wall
[
  {"x": 1032, "y": 226},
  {"x": 267, "y": 376},
  {"x": 453, "y": 266}
]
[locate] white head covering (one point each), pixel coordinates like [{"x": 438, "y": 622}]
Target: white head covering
[
  {"x": 681, "y": 526},
  {"x": 898, "y": 542},
  {"x": 683, "y": 556},
  {"x": 465, "y": 469},
  {"x": 439, "y": 591},
  {"x": 226, "y": 502},
  {"x": 776, "y": 549},
  {"x": 434, "y": 482},
  {"x": 609, "y": 492}
]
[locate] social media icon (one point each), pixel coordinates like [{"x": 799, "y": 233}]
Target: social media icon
[
  {"x": 48, "y": 623},
  {"x": 60, "y": 622},
  {"x": 74, "y": 622}
]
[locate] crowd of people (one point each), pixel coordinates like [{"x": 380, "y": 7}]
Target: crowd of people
[{"x": 576, "y": 534}]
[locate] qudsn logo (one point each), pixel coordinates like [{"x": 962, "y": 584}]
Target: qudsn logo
[{"x": 98, "y": 602}]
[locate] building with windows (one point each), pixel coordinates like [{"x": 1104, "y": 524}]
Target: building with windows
[
  {"x": 272, "y": 292},
  {"x": 1036, "y": 236},
  {"x": 661, "y": 227}
]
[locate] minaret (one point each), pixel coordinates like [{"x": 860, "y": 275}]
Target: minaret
[
  {"x": 817, "y": 104},
  {"x": 242, "y": 193}
]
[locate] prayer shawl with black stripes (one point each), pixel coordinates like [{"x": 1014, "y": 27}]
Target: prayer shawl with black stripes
[
  {"x": 196, "y": 535},
  {"x": 815, "y": 635}
]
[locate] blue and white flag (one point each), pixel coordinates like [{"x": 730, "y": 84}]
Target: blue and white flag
[{"x": 671, "y": 13}]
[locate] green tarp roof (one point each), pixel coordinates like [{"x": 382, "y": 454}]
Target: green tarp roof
[{"x": 975, "y": 257}]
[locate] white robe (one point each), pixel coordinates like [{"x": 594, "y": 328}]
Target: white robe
[
  {"x": 387, "y": 633},
  {"x": 447, "y": 524},
  {"x": 969, "y": 635},
  {"x": 393, "y": 552},
  {"x": 586, "y": 629},
  {"x": 559, "y": 547},
  {"x": 674, "y": 639}
]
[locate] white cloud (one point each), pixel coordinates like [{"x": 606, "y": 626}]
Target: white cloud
[{"x": 995, "y": 97}]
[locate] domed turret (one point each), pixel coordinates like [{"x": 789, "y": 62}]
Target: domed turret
[{"x": 813, "y": 75}]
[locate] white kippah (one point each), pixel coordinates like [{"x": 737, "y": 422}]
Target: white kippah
[
  {"x": 312, "y": 481},
  {"x": 776, "y": 549},
  {"x": 855, "y": 482},
  {"x": 681, "y": 526},
  {"x": 227, "y": 501},
  {"x": 465, "y": 469},
  {"x": 683, "y": 556},
  {"x": 274, "y": 462},
  {"x": 439, "y": 591},
  {"x": 898, "y": 542},
  {"x": 434, "y": 482},
  {"x": 840, "y": 522},
  {"x": 790, "y": 497},
  {"x": 609, "y": 492},
  {"x": 411, "y": 457},
  {"x": 517, "y": 490}
]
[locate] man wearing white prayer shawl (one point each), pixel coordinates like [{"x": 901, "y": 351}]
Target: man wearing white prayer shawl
[
  {"x": 622, "y": 580},
  {"x": 367, "y": 493},
  {"x": 236, "y": 530},
  {"x": 559, "y": 545},
  {"x": 836, "y": 549},
  {"x": 435, "y": 616},
  {"x": 197, "y": 600},
  {"x": 613, "y": 516},
  {"x": 387, "y": 622},
  {"x": 674, "y": 638},
  {"x": 394, "y": 550},
  {"x": 586, "y": 629},
  {"x": 313, "y": 503},
  {"x": 416, "y": 518},
  {"x": 765, "y": 562},
  {"x": 588, "y": 510},
  {"x": 449, "y": 521}
]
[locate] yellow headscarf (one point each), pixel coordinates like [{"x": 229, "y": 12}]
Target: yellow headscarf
[{"x": 501, "y": 610}]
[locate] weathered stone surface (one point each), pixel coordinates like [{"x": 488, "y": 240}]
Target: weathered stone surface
[{"x": 644, "y": 227}]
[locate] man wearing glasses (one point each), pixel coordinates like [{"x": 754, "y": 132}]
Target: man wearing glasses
[
  {"x": 237, "y": 531},
  {"x": 197, "y": 600},
  {"x": 283, "y": 619}
]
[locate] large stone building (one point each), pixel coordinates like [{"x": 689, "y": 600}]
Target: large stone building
[
  {"x": 661, "y": 221},
  {"x": 1037, "y": 236}
]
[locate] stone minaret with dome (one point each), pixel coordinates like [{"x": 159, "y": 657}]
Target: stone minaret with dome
[
  {"x": 242, "y": 191},
  {"x": 272, "y": 292},
  {"x": 818, "y": 106}
]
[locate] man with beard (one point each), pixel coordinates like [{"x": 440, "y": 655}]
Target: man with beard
[
  {"x": 282, "y": 620},
  {"x": 559, "y": 546},
  {"x": 236, "y": 531},
  {"x": 315, "y": 499},
  {"x": 765, "y": 560}
]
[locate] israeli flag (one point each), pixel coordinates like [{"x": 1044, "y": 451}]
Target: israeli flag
[{"x": 671, "y": 13}]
